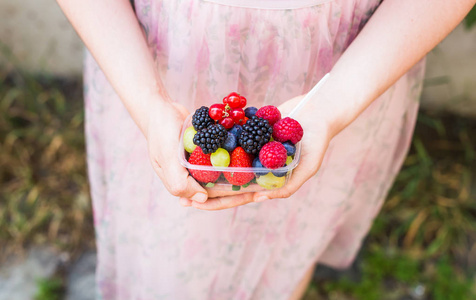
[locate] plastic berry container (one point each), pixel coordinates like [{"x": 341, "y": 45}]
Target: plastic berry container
[{"x": 263, "y": 178}]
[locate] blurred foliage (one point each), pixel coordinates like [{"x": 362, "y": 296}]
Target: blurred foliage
[
  {"x": 470, "y": 19},
  {"x": 42, "y": 164},
  {"x": 50, "y": 289}
]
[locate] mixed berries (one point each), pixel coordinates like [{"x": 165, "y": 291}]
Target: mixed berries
[{"x": 229, "y": 135}]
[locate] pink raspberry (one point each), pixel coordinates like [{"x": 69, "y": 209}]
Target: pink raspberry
[
  {"x": 270, "y": 113},
  {"x": 287, "y": 129},
  {"x": 273, "y": 155}
]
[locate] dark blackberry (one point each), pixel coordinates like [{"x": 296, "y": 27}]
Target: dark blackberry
[
  {"x": 201, "y": 119},
  {"x": 256, "y": 132},
  {"x": 210, "y": 138}
]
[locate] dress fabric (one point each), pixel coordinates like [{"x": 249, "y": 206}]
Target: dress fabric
[{"x": 149, "y": 247}]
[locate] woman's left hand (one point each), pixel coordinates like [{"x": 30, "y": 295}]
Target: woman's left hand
[{"x": 316, "y": 138}]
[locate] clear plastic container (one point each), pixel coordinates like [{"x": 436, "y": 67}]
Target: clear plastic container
[{"x": 256, "y": 184}]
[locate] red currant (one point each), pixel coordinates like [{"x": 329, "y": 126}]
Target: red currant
[
  {"x": 242, "y": 102},
  {"x": 216, "y": 111},
  {"x": 237, "y": 114},
  {"x": 233, "y": 100},
  {"x": 227, "y": 122}
]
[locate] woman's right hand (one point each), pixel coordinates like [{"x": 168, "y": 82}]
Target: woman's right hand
[{"x": 163, "y": 137}]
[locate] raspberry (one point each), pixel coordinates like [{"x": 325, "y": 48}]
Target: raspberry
[
  {"x": 201, "y": 119},
  {"x": 273, "y": 155},
  {"x": 270, "y": 113},
  {"x": 239, "y": 158},
  {"x": 287, "y": 129},
  {"x": 199, "y": 158},
  {"x": 256, "y": 132},
  {"x": 210, "y": 138}
]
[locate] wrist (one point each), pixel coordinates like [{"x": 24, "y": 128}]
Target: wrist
[
  {"x": 338, "y": 103},
  {"x": 145, "y": 107}
]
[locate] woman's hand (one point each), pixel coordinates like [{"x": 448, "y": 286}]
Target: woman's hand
[
  {"x": 163, "y": 137},
  {"x": 317, "y": 134}
]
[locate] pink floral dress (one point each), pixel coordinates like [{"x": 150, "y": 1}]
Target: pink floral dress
[{"x": 149, "y": 247}]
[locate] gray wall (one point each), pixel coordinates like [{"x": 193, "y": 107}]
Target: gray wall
[
  {"x": 42, "y": 40},
  {"x": 40, "y": 37}
]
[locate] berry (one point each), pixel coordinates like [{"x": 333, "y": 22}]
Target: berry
[
  {"x": 279, "y": 173},
  {"x": 199, "y": 158},
  {"x": 210, "y": 138},
  {"x": 226, "y": 122},
  {"x": 217, "y": 111},
  {"x": 273, "y": 155},
  {"x": 287, "y": 129},
  {"x": 257, "y": 164},
  {"x": 201, "y": 119},
  {"x": 289, "y": 160},
  {"x": 290, "y": 148},
  {"x": 270, "y": 181},
  {"x": 270, "y": 113},
  {"x": 239, "y": 158},
  {"x": 236, "y": 130},
  {"x": 237, "y": 114},
  {"x": 233, "y": 100},
  {"x": 282, "y": 173},
  {"x": 242, "y": 102},
  {"x": 231, "y": 142},
  {"x": 250, "y": 111},
  {"x": 256, "y": 132},
  {"x": 220, "y": 158},
  {"x": 188, "y": 135},
  {"x": 243, "y": 121}
]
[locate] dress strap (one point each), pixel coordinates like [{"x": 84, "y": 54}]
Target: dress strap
[{"x": 270, "y": 4}]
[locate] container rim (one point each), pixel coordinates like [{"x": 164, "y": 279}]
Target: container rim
[{"x": 186, "y": 164}]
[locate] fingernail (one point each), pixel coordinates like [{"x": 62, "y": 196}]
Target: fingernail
[
  {"x": 199, "y": 197},
  {"x": 185, "y": 202},
  {"x": 261, "y": 199}
]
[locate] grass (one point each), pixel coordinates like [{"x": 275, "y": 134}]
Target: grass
[
  {"x": 50, "y": 289},
  {"x": 42, "y": 175},
  {"x": 423, "y": 243},
  {"x": 421, "y": 246}
]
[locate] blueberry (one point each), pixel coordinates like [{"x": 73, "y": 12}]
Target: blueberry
[
  {"x": 278, "y": 173},
  {"x": 236, "y": 130},
  {"x": 257, "y": 164},
  {"x": 230, "y": 143},
  {"x": 290, "y": 148},
  {"x": 250, "y": 111}
]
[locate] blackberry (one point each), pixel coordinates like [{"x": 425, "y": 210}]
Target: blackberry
[
  {"x": 210, "y": 138},
  {"x": 201, "y": 119},
  {"x": 256, "y": 132}
]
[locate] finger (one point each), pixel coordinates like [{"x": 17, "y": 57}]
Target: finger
[
  {"x": 185, "y": 202},
  {"x": 299, "y": 176},
  {"x": 224, "y": 202},
  {"x": 218, "y": 193},
  {"x": 179, "y": 183},
  {"x": 305, "y": 170}
]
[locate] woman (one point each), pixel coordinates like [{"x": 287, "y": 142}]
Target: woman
[{"x": 186, "y": 53}]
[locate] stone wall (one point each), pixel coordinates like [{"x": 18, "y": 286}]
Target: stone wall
[{"x": 35, "y": 35}]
